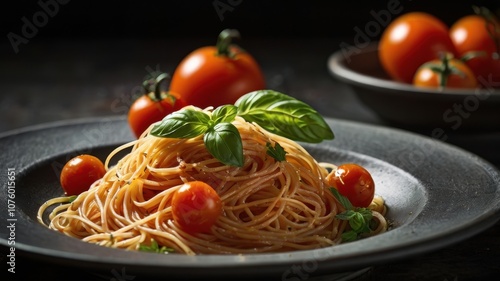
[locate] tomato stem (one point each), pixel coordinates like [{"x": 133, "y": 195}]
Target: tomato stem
[
  {"x": 443, "y": 69},
  {"x": 443, "y": 75},
  {"x": 224, "y": 42},
  {"x": 155, "y": 94}
]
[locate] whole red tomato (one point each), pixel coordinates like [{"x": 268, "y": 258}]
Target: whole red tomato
[
  {"x": 447, "y": 72},
  {"x": 479, "y": 34},
  {"x": 196, "y": 206},
  {"x": 79, "y": 173},
  {"x": 411, "y": 40},
  {"x": 153, "y": 106},
  {"x": 217, "y": 75},
  {"x": 354, "y": 182}
]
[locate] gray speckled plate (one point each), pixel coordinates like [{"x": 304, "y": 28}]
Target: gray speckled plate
[{"x": 437, "y": 195}]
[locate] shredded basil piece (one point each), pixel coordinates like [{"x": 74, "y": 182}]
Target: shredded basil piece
[{"x": 277, "y": 152}]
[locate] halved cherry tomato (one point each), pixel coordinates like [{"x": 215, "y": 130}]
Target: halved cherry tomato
[
  {"x": 354, "y": 182},
  {"x": 478, "y": 33},
  {"x": 79, "y": 173},
  {"x": 153, "y": 106},
  {"x": 217, "y": 75},
  {"x": 411, "y": 40},
  {"x": 196, "y": 207},
  {"x": 447, "y": 72}
]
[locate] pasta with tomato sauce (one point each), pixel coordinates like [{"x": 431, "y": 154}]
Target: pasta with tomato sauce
[{"x": 266, "y": 205}]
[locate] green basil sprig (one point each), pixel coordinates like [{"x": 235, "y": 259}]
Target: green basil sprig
[
  {"x": 274, "y": 111},
  {"x": 359, "y": 218}
]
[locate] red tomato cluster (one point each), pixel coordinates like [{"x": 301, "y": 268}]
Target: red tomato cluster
[
  {"x": 208, "y": 76},
  {"x": 419, "y": 49}
]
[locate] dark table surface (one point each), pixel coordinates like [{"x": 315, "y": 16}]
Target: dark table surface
[{"x": 52, "y": 80}]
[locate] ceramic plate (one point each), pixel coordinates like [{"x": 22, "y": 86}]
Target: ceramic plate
[{"x": 437, "y": 195}]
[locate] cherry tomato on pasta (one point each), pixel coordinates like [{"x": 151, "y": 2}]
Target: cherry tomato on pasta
[
  {"x": 447, "y": 72},
  {"x": 411, "y": 40},
  {"x": 79, "y": 173},
  {"x": 217, "y": 75},
  {"x": 153, "y": 106},
  {"x": 477, "y": 33},
  {"x": 196, "y": 207},
  {"x": 354, "y": 182}
]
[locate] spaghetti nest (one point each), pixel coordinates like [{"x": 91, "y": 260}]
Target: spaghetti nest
[{"x": 268, "y": 205}]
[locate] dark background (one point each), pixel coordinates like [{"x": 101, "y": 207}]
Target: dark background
[
  {"x": 89, "y": 59},
  {"x": 195, "y": 18},
  {"x": 86, "y": 55}
]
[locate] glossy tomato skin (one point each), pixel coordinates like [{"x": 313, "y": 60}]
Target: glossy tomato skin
[
  {"x": 146, "y": 111},
  {"x": 79, "y": 173},
  {"x": 204, "y": 78},
  {"x": 411, "y": 40},
  {"x": 470, "y": 34},
  {"x": 354, "y": 182},
  {"x": 196, "y": 206},
  {"x": 426, "y": 77}
]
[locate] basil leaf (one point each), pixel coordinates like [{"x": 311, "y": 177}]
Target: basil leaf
[
  {"x": 349, "y": 236},
  {"x": 346, "y": 215},
  {"x": 277, "y": 152},
  {"x": 366, "y": 213},
  {"x": 342, "y": 199},
  {"x": 154, "y": 248},
  {"x": 185, "y": 123},
  {"x": 223, "y": 141},
  {"x": 357, "y": 222},
  {"x": 225, "y": 113},
  {"x": 284, "y": 116}
]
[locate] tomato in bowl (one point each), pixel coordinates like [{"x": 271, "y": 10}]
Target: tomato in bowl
[{"x": 405, "y": 105}]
